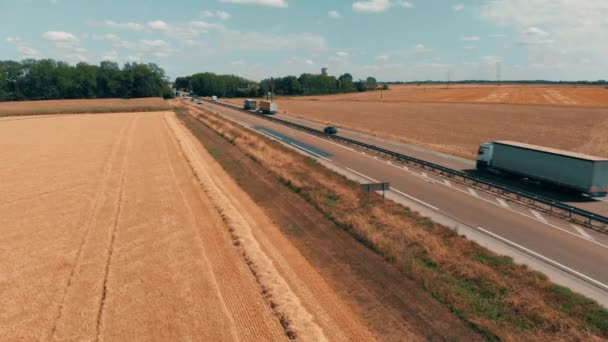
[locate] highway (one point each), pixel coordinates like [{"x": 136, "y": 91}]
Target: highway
[
  {"x": 597, "y": 206},
  {"x": 578, "y": 250}
]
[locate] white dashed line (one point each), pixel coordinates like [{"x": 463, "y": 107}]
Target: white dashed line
[
  {"x": 447, "y": 183},
  {"x": 547, "y": 260},
  {"x": 309, "y": 151},
  {"x": 538, "y": 215},
  {"x": 473, "y": 192},
  {"x": 415, "y": 199},
  {"x": 272, "y": 135},
  {"x": 333, "y": 143},
  {"x": 582, "y": 232},
  {"x": 502, "y": 202},
  {"x": 362, "y": 175},
  {"x": 406, "y": 168}
]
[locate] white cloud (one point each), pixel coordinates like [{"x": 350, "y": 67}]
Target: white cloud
[
  {"x": 216, "y": 14},
  {"x": 470, "y": 47},
  {"x": 405, "y": 4},
  {"x": 23, "y": 49},
  {"x": 130, "y": 25},
  {"x": 158, "y": 25},
  {"x": 184, "y": 32},
  {"x": 377, "y": 6},
  {"x": 59, "y": 36},
  {"x": 342, "y": 54},
  {"x": 372, "y": 6},
  {"x": 142, "y": 49},
  {"x": 334, "y": 15},
  {"x": 309, "y": 62},
  {"x": 556, "y": 33},
  {"x": 458, "y": 7},
  {"x": 382, "y": 57},
  {"x": 269, "y": 3},
  {"x": 470, "y": 39}
]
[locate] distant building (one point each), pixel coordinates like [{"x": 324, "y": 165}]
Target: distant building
[{"x": 324, "y": 71}]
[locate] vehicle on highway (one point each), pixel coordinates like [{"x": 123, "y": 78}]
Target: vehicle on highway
[
  {"x": 568, "y": 170},
  {"x": 249, "y": 104},
  {"x": 268, "y": 107},
  {"x": 330, "y": 130},
  {"x": 214, "y": 98},
  {"x": 199, "y": 102}
]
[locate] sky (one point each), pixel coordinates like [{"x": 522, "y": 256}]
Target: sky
[{"x": 392, "y": 40}]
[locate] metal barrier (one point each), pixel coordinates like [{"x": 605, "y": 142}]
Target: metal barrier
[{"x": 559, "y": 209}]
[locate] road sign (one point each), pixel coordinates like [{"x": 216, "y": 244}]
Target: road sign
[{"x": 372, "y": 187}]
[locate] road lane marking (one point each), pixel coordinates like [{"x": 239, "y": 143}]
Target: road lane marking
[
  {"x": 582, "y": 232},
  {"x": 415, "y": 199},
  {"x": 447, "y": 183},
  {"x": 406, "y": 168},
  {"x": 243, "y": 123},
  {"x": 270, "y": 134},
  {"x": 502, "y": 202},
  {"x": 547, "y": 260},
  {"x": 362, "y": 175},
  {"x": 424, "y": 174},
  {"x": 473, "y": 192},
  {"x": 309, "y": 151},
  {"x": 333, "y": 143},
  {"x": 538, "y": 215}
]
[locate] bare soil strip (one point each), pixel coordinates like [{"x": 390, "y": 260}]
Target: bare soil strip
[{"x": 307, "y": 307}]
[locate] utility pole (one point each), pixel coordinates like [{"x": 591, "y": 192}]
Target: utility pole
[{"x": 498, "y": 73}]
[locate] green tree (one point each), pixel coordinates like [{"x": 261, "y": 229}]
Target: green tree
[{"x": 372, "y": 84}]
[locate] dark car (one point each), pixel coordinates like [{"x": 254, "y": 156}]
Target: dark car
[{"x": 330, "y": 130}]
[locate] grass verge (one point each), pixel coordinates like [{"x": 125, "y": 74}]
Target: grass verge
[{"x": 497, "y": 298}]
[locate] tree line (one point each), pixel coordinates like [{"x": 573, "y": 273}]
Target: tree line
[
  {"x": 47, "y": 79},
  {"x": 209, "y": 84}
]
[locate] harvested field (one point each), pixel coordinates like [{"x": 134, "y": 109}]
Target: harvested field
[
  {"x": 118, "y": 230},
  {"x": 458, "y": 119},
  {"x": 587, "y": 96},
  {"x": 459, "y": 128},
  {"x": 82, "y": 106}
]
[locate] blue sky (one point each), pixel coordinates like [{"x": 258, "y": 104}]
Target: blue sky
[{"x": 388, "y": 39}]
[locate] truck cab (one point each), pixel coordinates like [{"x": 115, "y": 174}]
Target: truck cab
[{"x": 484, "y": 156}]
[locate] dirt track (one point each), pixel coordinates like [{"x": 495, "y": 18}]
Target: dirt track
[{"x": 107, "y": 234}]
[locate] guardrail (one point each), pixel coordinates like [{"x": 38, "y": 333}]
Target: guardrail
[{"x": 554, "y": 208}]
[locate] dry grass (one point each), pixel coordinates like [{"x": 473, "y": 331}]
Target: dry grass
[
  {"x": 499, "y": 299},
  {"x": 82, "y": 106}
]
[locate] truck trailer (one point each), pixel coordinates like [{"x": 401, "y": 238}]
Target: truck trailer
[
  {"x": 568, "y": 170},
  {"x": 268, "y": 107},
  {"x": 249, "y": 104}
]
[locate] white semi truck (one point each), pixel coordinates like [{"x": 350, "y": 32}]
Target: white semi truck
[{"x": 575, "y": 171}]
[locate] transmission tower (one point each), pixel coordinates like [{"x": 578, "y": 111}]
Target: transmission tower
[{"x": 498, "y": 73}]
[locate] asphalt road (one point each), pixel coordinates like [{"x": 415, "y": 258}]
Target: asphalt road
[
  {"x": 598, "y": 206},
  {"x": 579, "y": 249}
]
